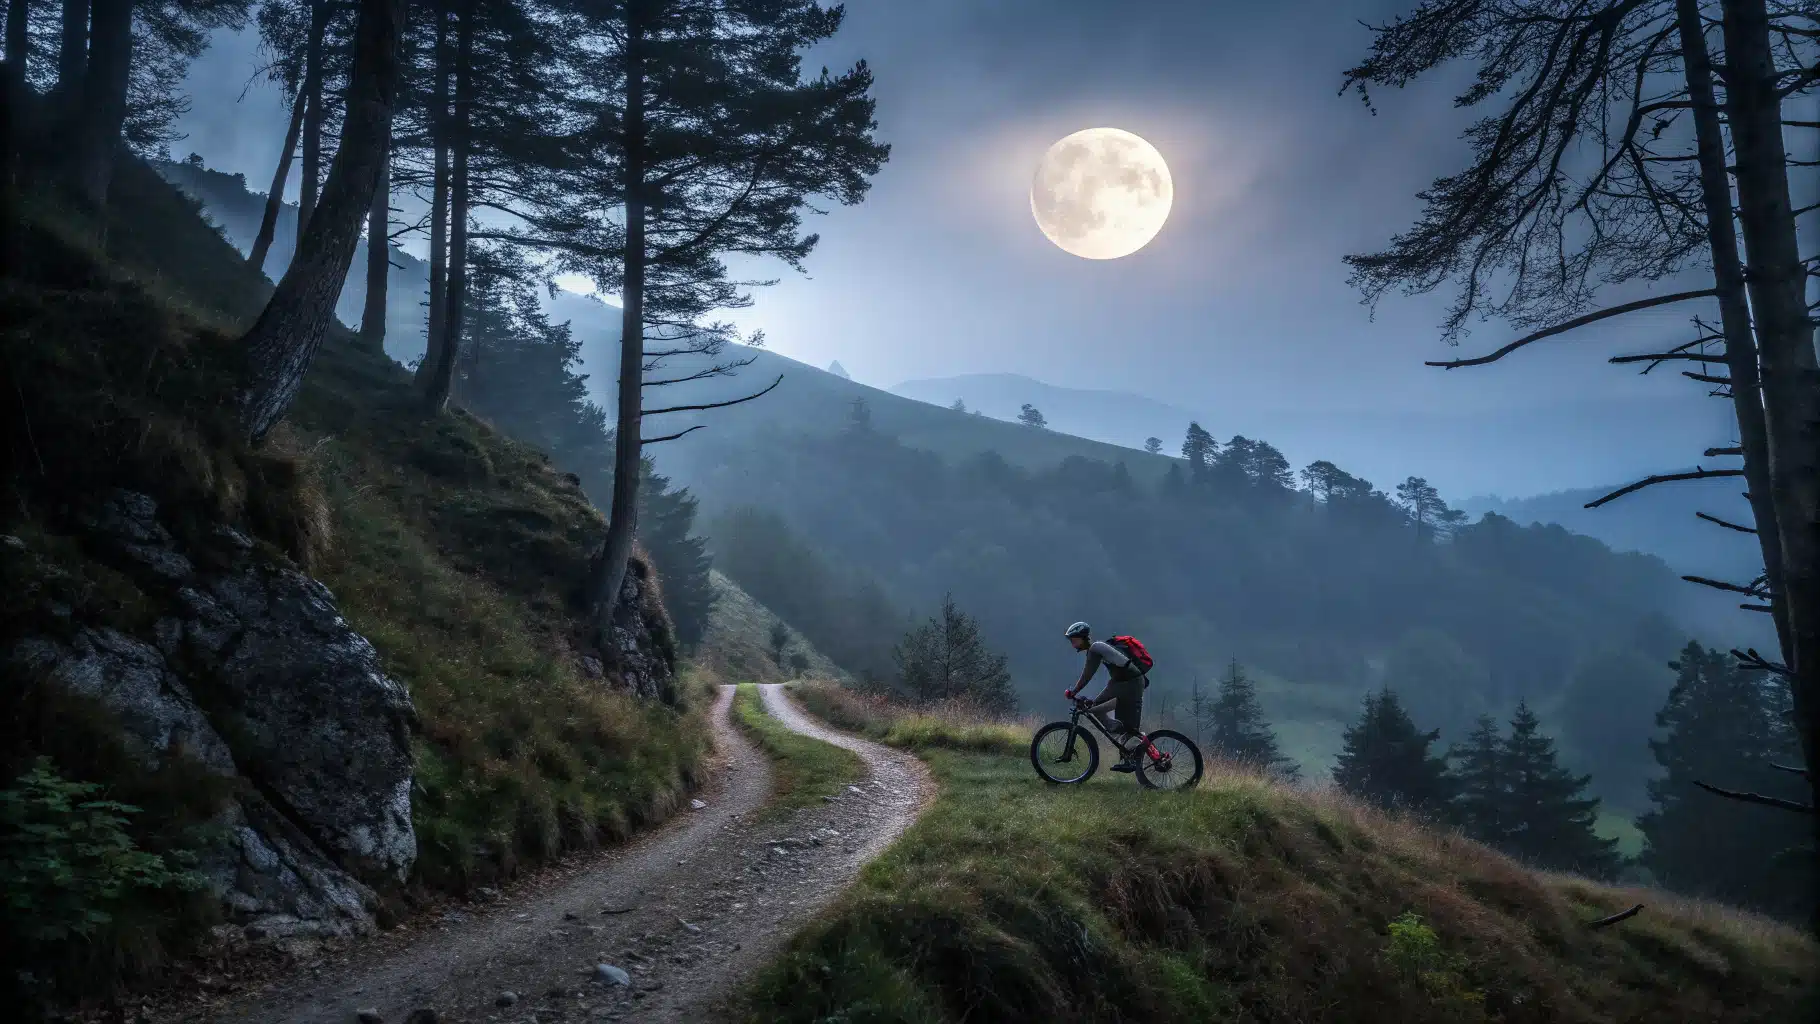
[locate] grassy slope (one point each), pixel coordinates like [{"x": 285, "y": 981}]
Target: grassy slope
[
  {"x": 451, "y": 547},
  {"x": 803, "y": 770},
  {"x": 737, "y": 642},
  {"x": 1244, "y": 900}
]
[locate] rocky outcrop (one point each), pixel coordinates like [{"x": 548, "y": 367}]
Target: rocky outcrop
[
  {"x": 251, "y": 672},
  {"x": 643, "y": 658}
]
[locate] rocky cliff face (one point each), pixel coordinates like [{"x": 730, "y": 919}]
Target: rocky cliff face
[
  {"x": 643, "y": 658},
  {"x": 251, "y": 674}
]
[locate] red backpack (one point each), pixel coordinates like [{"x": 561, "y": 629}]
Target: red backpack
[{"x": 1134, "y": 649}]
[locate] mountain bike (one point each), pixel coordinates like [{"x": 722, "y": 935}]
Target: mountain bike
[{"x": 1066, "y": 753}]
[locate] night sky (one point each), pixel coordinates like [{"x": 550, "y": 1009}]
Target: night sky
[{"x": 1239, "y": 310}]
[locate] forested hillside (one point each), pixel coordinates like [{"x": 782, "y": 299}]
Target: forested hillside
[
  {"x": 1329, "y": 588},
  {"x": 873, "y": 511}
]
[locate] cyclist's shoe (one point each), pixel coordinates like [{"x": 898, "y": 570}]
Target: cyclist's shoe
[{"x": 1125, "y": 766}]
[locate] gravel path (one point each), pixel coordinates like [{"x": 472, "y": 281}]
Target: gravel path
[{"x": 686, "y": 912}]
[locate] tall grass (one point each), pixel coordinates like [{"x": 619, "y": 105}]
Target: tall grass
[
  {"x": 1243, "y": 900},
  {"x": 951, "y": 725}
]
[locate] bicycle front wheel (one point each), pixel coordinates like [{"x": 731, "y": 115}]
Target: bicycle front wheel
[
  {"x": 1064, "y": 754},
  {"x": 1179, "y": 767}
]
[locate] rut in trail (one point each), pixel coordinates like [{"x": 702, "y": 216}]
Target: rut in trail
[{"x": 688, "y": 912}]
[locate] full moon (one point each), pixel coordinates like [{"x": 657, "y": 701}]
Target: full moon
[{"x": 1101, "y": 193}]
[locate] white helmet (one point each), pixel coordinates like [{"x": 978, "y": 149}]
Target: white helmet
[{"x": 1078, "y": 629}]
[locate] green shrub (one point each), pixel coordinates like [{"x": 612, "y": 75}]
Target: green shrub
[
  {"x": 67, "y": 863},
  {"x": 1415, "y": 952}
]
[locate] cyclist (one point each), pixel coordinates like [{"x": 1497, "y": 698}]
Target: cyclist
[{"x": 1124, "y": 693}]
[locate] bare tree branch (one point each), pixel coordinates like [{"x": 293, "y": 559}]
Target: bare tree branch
[
  {"x": 1666, "y": 357},
  {"x": 1622, "y": 915},
  {"x": 1705, "y": 378},
  {"x": 1757, "y": 798},
  {"x": 1716, "y": 521},
  {"x": 1579, "y": 321},
  {"x": 714, "y": 405},
  {"x": 718, "y": 370},
  {"x": 1750, "y": 591},
  {"x": 1751, "y": 659},
  {"x": 1697, "y": 474},
  {"x": 670, "y": 437},
  {"x": 1713, "y": 453}
]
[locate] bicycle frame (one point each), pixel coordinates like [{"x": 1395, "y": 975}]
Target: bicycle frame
[{"x": 1080, "y": 711}]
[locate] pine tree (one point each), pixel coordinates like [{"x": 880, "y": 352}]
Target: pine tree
[
  {"x": 282, "y": 343},
  {"x": 1422, "y": 503},
  {"x": 1481, "y": 799},
  {"x": 1725, "y": 726},
  {"x": 1236, "y": 728},
  {"x": 1198, "y": 450},
  {"x": 1153, "y": 445},
  {"x": 945, "y": 658},
  {"x": 1386, "y": 760},
  {"x": 1200, "y": 707},
  {"x": 1547, "y": 820},
  {"x": 959, "y": 406},
  {"x": 711, "y": 142},
  {"x": 780, "y": 641},
  {"x": 1031, "y": 416},
  {"x": 667, "y": 532}
]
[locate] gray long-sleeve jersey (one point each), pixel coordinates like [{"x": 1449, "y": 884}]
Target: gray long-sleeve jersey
[{"x": 1097, "y": 652}]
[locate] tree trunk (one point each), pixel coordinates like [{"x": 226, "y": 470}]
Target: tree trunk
[
  {"x": 379, "y": 255},
  {"x": 312, "y": 116},
  {"x": 18, "y": 36},
  {"x": 13, "y": 107},
  {"x": 274, "y": 199},
  {"x": 439, "y": 202},
  {"x": 72, "y": 53},
  {"x": 283, "y": 342},
  {"x": 1790, "y": 378},
  {"x": 110, "y": 63},
  {"x": 1734, "y": 306},
  {"x": 12, "y": 131},
  {"x": 442, "y": 372},
  {"x": 608, "y": 573}
]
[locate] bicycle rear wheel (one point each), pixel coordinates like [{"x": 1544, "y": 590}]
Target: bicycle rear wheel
[
  {"x": 1061, "y": 761},
  {"x": 1178, "y": 768}
]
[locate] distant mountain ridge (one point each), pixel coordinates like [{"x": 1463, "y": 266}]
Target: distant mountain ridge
[{"x": 1115, "y": 417}]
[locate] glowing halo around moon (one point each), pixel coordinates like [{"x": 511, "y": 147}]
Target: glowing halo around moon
[{"x": 1101, "y": 193}]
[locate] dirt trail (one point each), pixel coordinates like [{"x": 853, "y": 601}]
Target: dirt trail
[{"x": 687, "y": 911}]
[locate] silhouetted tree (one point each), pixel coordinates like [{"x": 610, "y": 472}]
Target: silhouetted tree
[
  {"x": 959, "y": 406},
  {"x": 780, "y": 639},
  {"x": 1153, "y": 445},
  {"x": 711, "y": 142},
  {"x": 1236, "y": 728},
  {"x": 945, "y": 658},
  {"x": 1547, "y": 820},
  {"x": 1481, "y": 802},
  {"x": 1727, "y": 727},
  {"x": 1566, "y": 194},
  {"x": 283, "y": 341},
  {"x": 1386, "y": 761},
  {"x": 1198, "y": 450},
  {"x": 1031, "y": 416},
  {"x": 1423, "y": 505}
]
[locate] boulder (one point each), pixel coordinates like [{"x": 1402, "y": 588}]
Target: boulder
[{"x": 252, "y": 672}]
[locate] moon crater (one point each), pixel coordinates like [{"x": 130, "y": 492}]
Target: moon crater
[{"x": 1101, "y": 193}]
